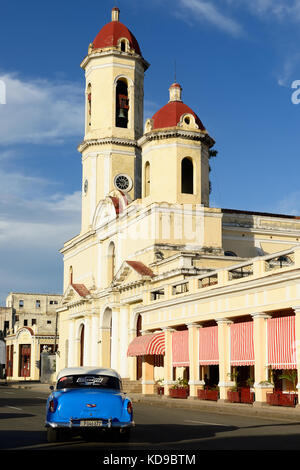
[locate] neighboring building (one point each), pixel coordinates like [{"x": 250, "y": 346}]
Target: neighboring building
[
  {"x": 158, "y": 284},
  {"x": 29, "y": 324}
]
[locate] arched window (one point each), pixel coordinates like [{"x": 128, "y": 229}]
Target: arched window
[
  {"x": 187, "y": 176},
  {"x": 230, "y": 253},
  {"x": 89, "y": 104},
  {"x": 111, "y": 255},
  {"x": 123, "y": 46},
  {"x": 147, "y": 179},
  {"x": 122, "y": 103}
]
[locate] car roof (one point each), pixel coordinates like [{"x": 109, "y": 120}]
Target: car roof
[{"x": 87, "y": 371}]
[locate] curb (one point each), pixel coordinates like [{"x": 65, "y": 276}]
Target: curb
[{"x": 263, "y": 411}]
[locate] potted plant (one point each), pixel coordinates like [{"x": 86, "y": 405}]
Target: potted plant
[
  {"x": 180, "y": 389},
  {"x": 160, "y": 388},
  {"x": 212, "y": 393},
  {"x": 233, "y": 393},
  {"x": 247, "y": 393}
]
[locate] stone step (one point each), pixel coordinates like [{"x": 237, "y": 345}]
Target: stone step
[{"x": 132, "y": 386}]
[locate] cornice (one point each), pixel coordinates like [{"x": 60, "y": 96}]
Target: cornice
[
  {"x": 107, "y": 141},
  {"x": 113, "y": 52},
  {"x": 175, "y": 132}
]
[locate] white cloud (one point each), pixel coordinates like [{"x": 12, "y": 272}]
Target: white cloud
[
  {"x": 207, "y": 11},
  {"x": 290, "y": 204},
  {"x": 33, "y": 227},
  {"x": 40, "y": 111},
  {"x": 279, "y": 9}
]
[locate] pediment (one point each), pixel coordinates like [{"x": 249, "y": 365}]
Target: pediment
[
  {"x": 109, "y": 208},
  {"x": 132, "y": 271},
  {"x": 75, "y": 292}
]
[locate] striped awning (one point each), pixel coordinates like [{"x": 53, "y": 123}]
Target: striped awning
[
  {"x": 153, "y": 344},
  {"x": 241, "y": 344},
  {"x": 281, "y": 342},
  {"x": 208, "y": 346},
  {"x": 180, "y": 349}
]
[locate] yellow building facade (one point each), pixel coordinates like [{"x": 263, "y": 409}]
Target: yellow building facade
[{"x": 157, "y": 281}]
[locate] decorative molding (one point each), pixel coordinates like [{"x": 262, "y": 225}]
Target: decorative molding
[{"x": 107, "y": 141}]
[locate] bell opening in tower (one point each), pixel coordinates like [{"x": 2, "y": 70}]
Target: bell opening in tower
[{"x": 122, "y": 104}]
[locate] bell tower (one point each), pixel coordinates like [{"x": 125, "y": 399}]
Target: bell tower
[{"x": 114, "y": 94}]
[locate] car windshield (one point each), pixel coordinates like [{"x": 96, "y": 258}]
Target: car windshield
[{"x": 83, "y": 381}]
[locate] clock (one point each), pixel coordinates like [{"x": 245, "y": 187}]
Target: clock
[{"x": 123, "y": 182}]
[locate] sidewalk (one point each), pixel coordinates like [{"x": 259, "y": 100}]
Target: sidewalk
[{"x": 264, "y": 411}]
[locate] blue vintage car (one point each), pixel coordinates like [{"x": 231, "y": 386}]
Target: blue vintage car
[{"x": 86, "y": 400}]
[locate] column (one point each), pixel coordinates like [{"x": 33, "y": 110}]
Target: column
[
  {"x": 168, "y": 367},
  {"x": 261, "y": 384},
  {"x": 297, "y": 345},
  {"x": 148, "y": 375},
  {"x": 123, "y": 340},
  {"x": 225, "y": 382},
  {"x": 132, "y": 373},
  {"x": 115, "y": 339},
  {"x": 194, "y": 381},
  {"x": 95, "y": 333},
  {"x": 71, "y": 345},
  {"x": 104, "y": 341},
  {"x": 87, "y": 340}
]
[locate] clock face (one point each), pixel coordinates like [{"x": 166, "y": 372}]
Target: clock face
[
  {"x": 123, "y": 182},
  {"x": 85, "y": 187}
]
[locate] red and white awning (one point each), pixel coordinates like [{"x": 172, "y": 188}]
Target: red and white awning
[
  {"x": 281, "y": 342},
  {"x": 208, "y": 346},
  {"x": 153, "y": 344},
  {"x": 241, "y": 344},
  {"x": 180, "y": 348}
]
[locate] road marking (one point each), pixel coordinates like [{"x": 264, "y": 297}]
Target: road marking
[{"x": 203, "y": 422}]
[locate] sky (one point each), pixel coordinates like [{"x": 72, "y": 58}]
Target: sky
[{"x": 238, "y": 63}]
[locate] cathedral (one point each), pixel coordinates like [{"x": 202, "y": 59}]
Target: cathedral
[{"x": 159, "y": 285}]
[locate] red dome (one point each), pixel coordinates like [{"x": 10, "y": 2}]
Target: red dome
[
  {"x": 111, "y": 33},
  {"x": 170, "y": 114}
]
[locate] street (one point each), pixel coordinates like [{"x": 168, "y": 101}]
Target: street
[{"x": 158, "y": 429}]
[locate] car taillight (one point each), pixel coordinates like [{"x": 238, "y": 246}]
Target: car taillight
[
  {"x": 52, "y": 405},
  {"x": 129, "y": 407}
]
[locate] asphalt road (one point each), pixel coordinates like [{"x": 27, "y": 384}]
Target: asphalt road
[{"x": 158, "y": 429}]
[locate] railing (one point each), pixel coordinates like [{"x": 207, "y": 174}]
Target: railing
[
  {"x": 279, "y": 262},
  {"x": 240, "y": 272},
  {"x": 257, "y": 267},
  {"x": 157, "y": 294},
  {"x": 208, "y": 281},
  {"x": 180, "y": 288}
]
